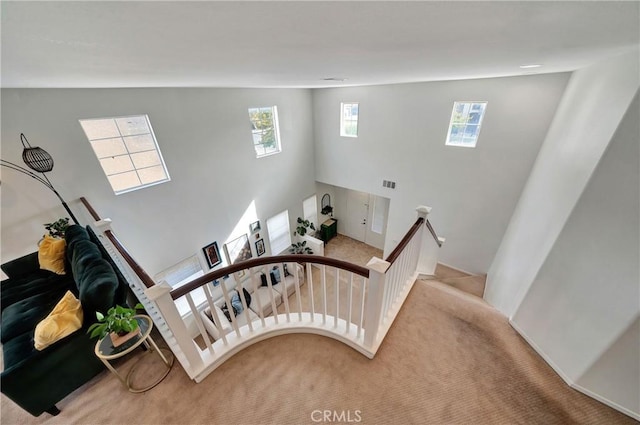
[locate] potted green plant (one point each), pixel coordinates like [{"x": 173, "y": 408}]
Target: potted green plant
[
  {"x": 303, "y": 227},
  {"x": 57, "y": 228},
  {"x": 119, "y": 323},
  {"x": 300, "y": 248},
  {"x": 327, "y": 210}
]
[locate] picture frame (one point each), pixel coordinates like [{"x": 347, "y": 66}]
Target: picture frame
[
  {"x": 255, "y": 226},
  {"x": 260, "y": 247},
  {"x": 238, "y": 249},
  {"x": 212, "y": 254}
]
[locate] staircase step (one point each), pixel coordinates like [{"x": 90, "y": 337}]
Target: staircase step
[{"x": 471, "y": 284}]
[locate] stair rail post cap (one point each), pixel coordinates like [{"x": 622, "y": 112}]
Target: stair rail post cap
[{"x": 423, "y": 209}]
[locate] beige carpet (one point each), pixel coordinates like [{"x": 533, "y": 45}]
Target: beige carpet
[{"x": 448, "y": 359}]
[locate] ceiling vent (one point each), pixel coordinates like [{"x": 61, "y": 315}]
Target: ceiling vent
[{"x": 388, "y": 184}]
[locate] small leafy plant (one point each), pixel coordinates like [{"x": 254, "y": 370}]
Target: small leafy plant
[
  {"x": 304, "y": 226},
  {"x": 300, "y": 248},
  {"x": 57, "y": 228},
  {"x": 118, "y": 320},
  {"x": 327, "y": 210}
]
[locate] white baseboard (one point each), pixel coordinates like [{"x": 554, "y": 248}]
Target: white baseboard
[
  {"x": 569, "y": 381},
  {"x": 457, "y": 269}
]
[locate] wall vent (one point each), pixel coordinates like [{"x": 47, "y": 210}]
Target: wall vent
[{"x": 389, "y": 184}]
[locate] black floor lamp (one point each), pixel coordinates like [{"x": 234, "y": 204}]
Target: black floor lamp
[{"x": 38, "y": 160}]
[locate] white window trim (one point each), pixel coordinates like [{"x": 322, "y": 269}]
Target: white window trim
[
  {"x": 286, "y": 234},
  {"x": 453, "y": 110},
  {"x": 313, "y": 217},
  {"x": 357, "y": 121},
  {"x": 155, "y": 142},
  {"x": 276, "y": 131}
]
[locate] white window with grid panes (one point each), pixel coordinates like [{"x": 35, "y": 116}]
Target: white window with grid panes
[
  {"x": 279, "y": 232},
  {"x": 310, "y": 210},
  {"x": 265, "y": 131},
  {"x": 349, "y": 119},
  {"x": 466, "y": 120},
  {"x": 127, "y": 151}
]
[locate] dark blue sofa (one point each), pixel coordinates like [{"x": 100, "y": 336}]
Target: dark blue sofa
[{"x": 37, "y": 380}]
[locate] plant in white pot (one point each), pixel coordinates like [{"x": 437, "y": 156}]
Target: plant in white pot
[{"x": 119, "y": 323}]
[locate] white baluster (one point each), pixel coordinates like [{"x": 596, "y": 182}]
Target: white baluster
[
  {"x": 227, "y": 300},
  {"x": 199, "y": 324},
  {"x": 285, "y": 296},
  {"x": 256, "y": 297},
  {"x": 323, "y": 279},
  {"x": 337, "y": 287},
  {"x": 312, "y": 308},
  {"x": 245, "y": 307},
  {"x": 160, "y": 294},
  {"x": 296, "y": 275},
  {"x": 349, "y": 301},
  {"x": 214, "y": 313}
]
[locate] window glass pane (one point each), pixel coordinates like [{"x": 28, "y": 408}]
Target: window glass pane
[
  {"x": 100, "y": 129},
  {"x": 116, "y": 164},
  {"x": 133, "y": 125},
  {"x": 124, "y": 181},
  {"x": 470, "y": 131},
  {"x": 279, "y": 236},
  {"x": 152, "y": 174},
  {"x": 264, "y": 130},
  {"x": 120, "y": 156},
  {"x": 349, "y": 119},
  {"x": 108, "y": 147},
  {"x": 466, "y": 119},
  {"x": 143, "y": 142},
  {"x": 310, "y": 210},
  {"x": 380, "y": 207},
  {"x": 145, "y": 159}
]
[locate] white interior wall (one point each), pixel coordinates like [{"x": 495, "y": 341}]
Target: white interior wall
[
  {"x": 587, "y": 293},
  {"x": 616, "y": 374},
  {"x": 591, "y": 109},
  {"x": 401, "y": 137},
  {"x": 205, "y": 138}
]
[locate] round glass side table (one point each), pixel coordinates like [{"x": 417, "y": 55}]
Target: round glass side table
[{"x": 106, "y": 351}]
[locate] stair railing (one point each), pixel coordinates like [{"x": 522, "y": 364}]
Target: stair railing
[{"x": 352, "y": 304}]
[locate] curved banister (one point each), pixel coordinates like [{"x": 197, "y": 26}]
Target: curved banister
[
  {"x": 262, "y": 261},
  {"x": 405, "y": 241}
]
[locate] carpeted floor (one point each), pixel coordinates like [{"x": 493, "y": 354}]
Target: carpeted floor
[{"x": 448, "y": 359}]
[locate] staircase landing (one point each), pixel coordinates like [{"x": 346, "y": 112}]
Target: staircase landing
[{"x": 471, "y": 284}]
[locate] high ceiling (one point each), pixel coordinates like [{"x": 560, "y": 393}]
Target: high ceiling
[{"x": 299, "y": 44}]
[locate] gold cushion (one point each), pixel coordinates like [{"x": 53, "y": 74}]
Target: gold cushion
[
  {"x": 51, "y": 254},
  {"x": 65, "y": 319}
]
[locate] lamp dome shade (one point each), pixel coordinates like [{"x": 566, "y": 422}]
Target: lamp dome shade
[{"x": 37, "y": 159}]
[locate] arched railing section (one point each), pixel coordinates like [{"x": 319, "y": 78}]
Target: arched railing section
[{"x": 352, "y": 304}]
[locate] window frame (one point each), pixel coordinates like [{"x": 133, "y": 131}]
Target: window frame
[
  {"x": 128, "y": 153},
  {"x": 276, "y": 131},
  {"x": 343, "y": 132},
  {"x": 313, "y": 217},
  {"x": 448, "y": 141},
  {"x": 275, "y": 237}
]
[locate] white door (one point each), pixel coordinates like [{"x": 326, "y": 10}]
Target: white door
[
  {"x": 377, "y": 221},
  {"x": 355, "y": 223}
]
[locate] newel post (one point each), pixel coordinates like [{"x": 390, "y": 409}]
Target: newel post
[
  {"x": 429, "y": 248},
  {"x": 160, "y": 294},
  {"x": 373, "y": 307}
]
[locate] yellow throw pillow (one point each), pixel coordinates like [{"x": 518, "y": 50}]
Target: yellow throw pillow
[
  {"x": 65, "y": 319},
  {"x": 51, "y": 254}
]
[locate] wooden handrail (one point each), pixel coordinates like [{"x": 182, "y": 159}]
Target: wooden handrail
[
  {"x": 89, "y": 208},
  {"x": 144, "y": 277},
  {"x": 256, "y": 262},
  {"x": 433, "y": 233},
  {"x": 391, "y": 258},
  {"x": 138, "y": 270}
]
